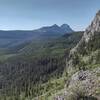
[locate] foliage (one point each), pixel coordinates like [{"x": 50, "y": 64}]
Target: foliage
[{"x": 29, "y": 72}]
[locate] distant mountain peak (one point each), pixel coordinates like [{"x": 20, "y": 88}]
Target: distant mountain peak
[
  {"x": 55, "y": 25},
  {"x": 65, "y": 25},
  {"x": 66, "y": 28},
  {"x": 55, "y": 29}
]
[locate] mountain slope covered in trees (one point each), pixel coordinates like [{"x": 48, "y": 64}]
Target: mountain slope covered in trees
[{"x": 27, "y": 72}]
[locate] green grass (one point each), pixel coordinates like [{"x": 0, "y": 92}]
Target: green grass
[
  {"x": 5, "y": 57},
  {"x": 52, "y": 87},
  {"x": 92, "y": 66},
  {"x": 51, "y": 47}
]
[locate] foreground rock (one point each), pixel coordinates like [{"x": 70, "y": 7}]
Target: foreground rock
[{"x": 83, "y": 85}]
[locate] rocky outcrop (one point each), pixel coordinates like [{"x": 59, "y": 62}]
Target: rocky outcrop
[
  {"x": 90, "y": 31},
  {"x": 83, "y": 84},
  {"x": 94, "y": 27},
  {"x": 89, "y": 34}
]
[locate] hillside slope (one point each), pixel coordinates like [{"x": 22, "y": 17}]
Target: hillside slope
[
  {"x": 35, "y": 68},
  {"x": 83, "y": 67},
  {"x": 87, "y": 50}
]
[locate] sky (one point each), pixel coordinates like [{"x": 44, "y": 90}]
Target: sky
[{"x": 33, "y": 14}]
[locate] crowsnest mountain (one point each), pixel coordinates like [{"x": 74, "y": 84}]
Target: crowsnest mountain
[
  {"x": 54, "y": 30},
  {"x": 66, "y": 28}
]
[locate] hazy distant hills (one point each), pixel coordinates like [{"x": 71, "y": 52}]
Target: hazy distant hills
[
  {"x": 14, "y": 38},
  {"x": 52, "y": 46}
]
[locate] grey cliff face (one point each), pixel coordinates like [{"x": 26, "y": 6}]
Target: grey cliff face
[
  {"x": 94, "y": 27},
  {"x": 92, "y": 30}
]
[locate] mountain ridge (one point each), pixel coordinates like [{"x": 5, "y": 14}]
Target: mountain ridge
[
  {"x": 14, "y": 37},
  {"x": 64, "y": 28},
  {"x": 90, "y": 35}
]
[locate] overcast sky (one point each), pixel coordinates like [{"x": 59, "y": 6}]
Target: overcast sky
[{"x": 32, "y": 14}]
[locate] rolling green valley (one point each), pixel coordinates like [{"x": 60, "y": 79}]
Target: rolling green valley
[{"x": 52, "y": 62}]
